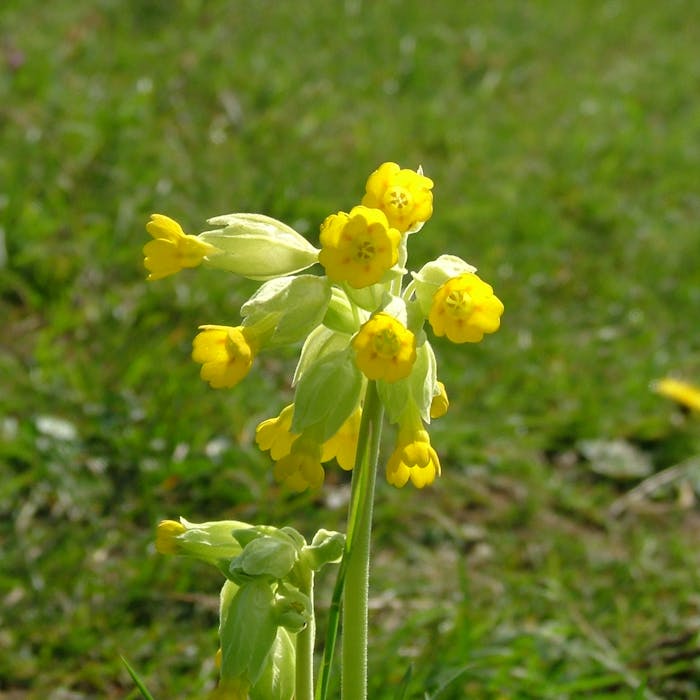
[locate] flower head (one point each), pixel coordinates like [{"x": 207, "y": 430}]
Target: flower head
[
  {"x": 403, "y": 195},
  {"x": 359, "y": 247},
  {"x": 414, "y": 459},
  {"x": 301, "y": 468},
  {"x": 464, "y": 308},
  {"x": 172, "y": 250},
  {"x": 226, "y": 354},
  {"x": 385, "y": 348},
  {"x": 687, "y": 395}
]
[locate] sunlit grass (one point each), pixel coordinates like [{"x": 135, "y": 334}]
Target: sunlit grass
[{"x": 563, "y": 146}]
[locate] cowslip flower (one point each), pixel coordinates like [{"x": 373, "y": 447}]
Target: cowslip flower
[
  {"x": 414, "y": 459},
  {"x": 226, "y": 354},
  {"x": 403, "y": 195},
  {"x": 440, "y": 402},
  {"x": 274, "y": 434},
  {"x": 359, "y": 247},
  {"x": 301, "y": 468},
  {"x": 212, "y": 541},
  {"x": 172, "y": 249},
  {"x": 384, "y": 348},
  {"x": 464, "y": 308},
  {"x": 679, "y": 391},
  {"x": 343, "y": 445}
]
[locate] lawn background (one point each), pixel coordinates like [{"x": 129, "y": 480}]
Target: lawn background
[{"x": 564, "y": 141}]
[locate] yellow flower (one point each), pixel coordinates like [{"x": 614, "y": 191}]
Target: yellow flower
[
  {"x": 167, "y": 533},
  {"x": 464, "y": 308},
  {"x": 384, "y": 348},
  {"x": 226, "y": 354},
  {"x": 679, "y": 391},
  {"x": 440, "y": 403},
  {"x": 301, "y": 468},
  {"x": 172, "y": 250},
  {"x": 403, "y": 195},
  {"x": 343, "y": 445},
  {"x": 212, "y": 541},
  {"x": 274, "y": 434},
  {"x": 413, "y": 459},
  {"x": 359, "y": 247}
]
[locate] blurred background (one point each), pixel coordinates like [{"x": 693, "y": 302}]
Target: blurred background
[{"x": 564, "y": 142}]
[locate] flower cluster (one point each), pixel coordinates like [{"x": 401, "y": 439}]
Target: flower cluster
[{"x": 361, "y": 321}]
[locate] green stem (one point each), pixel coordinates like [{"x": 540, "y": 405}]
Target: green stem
[
  {"x": 365, "y": 465},
  {"x": 354, "y": 641},
  {"x": 305, "y": 648}
]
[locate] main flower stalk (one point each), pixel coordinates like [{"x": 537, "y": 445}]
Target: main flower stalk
[{"x": 357, "y": 552}]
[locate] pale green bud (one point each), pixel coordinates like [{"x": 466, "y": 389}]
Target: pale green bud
[
  {"x": 368, "y": 298},
  {"x": 319, "y": 343},
  {"x": 340, "y": 315},
  {"x": 258, "y": 247},
  {"x": 433, "y": 275},
  {"x": 327, "y": 393},
  {"x": 326, "y": 548},
  {"x": 212, "y": 542},
  {"x": 291, "y": 306},
  {"x": 293, "y": 609},
  {"x": 286, "y": 534},
  {"x": 267, "y": 557}
]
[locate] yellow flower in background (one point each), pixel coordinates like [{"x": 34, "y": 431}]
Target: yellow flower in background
[
  {"x": 681, "y": 392},
  {"x": 172, "y": 250},
  {"x": 226, "y": 354},
  {"x": 167, "y": 533},
  {"x": 403, "y": 195},
  {"x": 464, "y": 308},
  {"x": 343, "y": 445},
  {"x": 359, "y": 247},
  {"x": 440, "y": 403},
  {"x": 301, "y": 468},
  {"x": 414, "y": 459},
  {"x": 274, "y": 434},
  {"x": 384, "y": 348}
]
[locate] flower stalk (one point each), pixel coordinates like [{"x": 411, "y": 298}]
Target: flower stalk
[
  {"x": 365, "y": 359},
  {"x": 357, "y": 552}
]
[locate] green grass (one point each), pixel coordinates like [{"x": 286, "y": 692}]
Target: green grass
[{"x": 563, "y": 140}]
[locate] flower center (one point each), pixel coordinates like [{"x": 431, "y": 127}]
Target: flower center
[
  {"x": 398, "y": 198},
  {"x": 459, "y": 304},
  {"x": 385, "y": 343},
  {"x": 364, "y": 251}
]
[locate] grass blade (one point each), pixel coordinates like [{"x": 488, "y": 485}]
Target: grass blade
[{"x": 135, "y": 677}]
